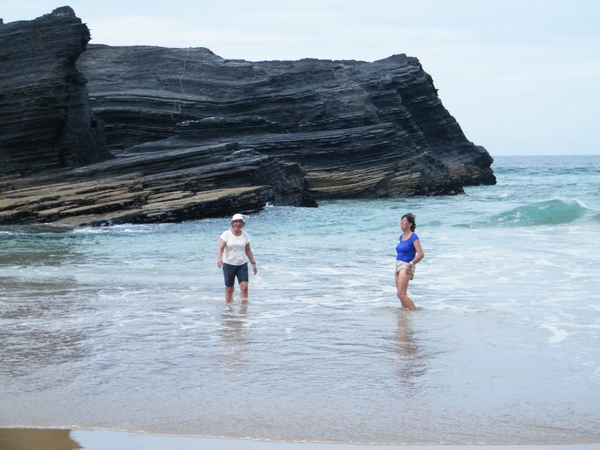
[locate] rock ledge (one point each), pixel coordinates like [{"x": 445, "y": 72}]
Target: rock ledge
[{"x": 93, "y": 135}]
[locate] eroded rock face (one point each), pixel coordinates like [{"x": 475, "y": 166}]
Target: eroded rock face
[
  {"x": 54, "y": 165},
  {"x": 46, "y": 122},
  {"x": 358, "y": 129},
  {"x": 191, "y": 135},
  {"x": 164, "y": 186}
]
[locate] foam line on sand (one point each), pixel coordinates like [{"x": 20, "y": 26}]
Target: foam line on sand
[{"x": 59, "y": 439}]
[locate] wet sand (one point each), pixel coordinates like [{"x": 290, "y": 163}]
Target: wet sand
[{"x": 56, "y": 439}]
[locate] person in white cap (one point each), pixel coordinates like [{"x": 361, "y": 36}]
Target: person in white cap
[{"x": 232, "y": 256}]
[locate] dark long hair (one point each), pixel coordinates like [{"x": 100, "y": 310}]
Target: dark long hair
[{"x": 412, "y": 219}]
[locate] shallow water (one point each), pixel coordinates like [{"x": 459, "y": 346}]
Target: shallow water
[{"x": 125, "y": 328}]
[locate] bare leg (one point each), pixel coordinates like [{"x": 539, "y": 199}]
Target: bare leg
[
  {"x": 228, "y": 294},
  {"x": 244, "y": 291},
  {"x": 401, "y": 286}
]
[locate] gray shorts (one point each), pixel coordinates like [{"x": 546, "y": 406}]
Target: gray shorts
[{"x": 230, "y": 272}]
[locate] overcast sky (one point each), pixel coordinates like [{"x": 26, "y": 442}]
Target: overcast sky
[{"x": 522, "y": 77}]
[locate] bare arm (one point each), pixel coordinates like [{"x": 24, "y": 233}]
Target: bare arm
[
  {"x": 418, "y": 257},
  {"x": 220, "y": 250},
  {"x": 251, "y": 258}
]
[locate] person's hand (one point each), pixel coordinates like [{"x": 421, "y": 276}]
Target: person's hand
[
  {"x": 219, "y": 264},
  {"x": 255, "y": 269}
]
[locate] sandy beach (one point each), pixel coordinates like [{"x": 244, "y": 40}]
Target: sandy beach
[{"x": 59, "y": 439}]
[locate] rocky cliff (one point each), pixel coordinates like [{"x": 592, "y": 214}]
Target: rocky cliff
[
  {"x": 193, "y": 135},
  {"x": 358, "y": 129},
  {"x": 46, "y": 121}
]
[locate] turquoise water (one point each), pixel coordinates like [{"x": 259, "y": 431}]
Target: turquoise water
[{"x": 125, "y": 328}]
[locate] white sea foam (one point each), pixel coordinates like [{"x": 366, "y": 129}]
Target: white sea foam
[{"x": 558, "y": 334}]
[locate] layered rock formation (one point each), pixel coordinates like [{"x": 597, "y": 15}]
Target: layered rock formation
[
  {"x": 46, "y": 121},
  {"x": 166, "y": 186},
  {"x": 193, "y": 135},
  {"x": 358, "y": 129},
  {"x": 54, "y": 165}
]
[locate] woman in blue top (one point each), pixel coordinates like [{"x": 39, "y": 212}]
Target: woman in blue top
[{"x": 409, "y": 253}]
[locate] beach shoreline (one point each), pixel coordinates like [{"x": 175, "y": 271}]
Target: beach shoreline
[
  {"x": 120, "y": 335},
  {"x": 69, "y": 439}
]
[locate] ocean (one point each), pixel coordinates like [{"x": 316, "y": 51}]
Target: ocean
[{"x": 125, "y": 328}]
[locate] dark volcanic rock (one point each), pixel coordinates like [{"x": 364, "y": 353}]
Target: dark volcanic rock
[
  {"x": 46, "y": 121},
  {"x": 164, "y": 186},
  {"x": 176, "y": 134},
  {"x": 358, "y": 129},
  {"x": 54, "y": 165}
]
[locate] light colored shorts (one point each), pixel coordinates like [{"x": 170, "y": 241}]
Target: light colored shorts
[{"x": 401, "y": 265}]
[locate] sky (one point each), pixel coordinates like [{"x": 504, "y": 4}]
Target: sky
[{"x": 521, "y": 77}]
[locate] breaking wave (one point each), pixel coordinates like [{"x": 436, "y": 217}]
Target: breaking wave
[{"x": 549, "y": 212}]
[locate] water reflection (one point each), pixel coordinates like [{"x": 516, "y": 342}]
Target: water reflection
[
  {"x": 234, "y": 335},
  {"x": 412, "y": 362},
  {"x": 37, "y": 329}
]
